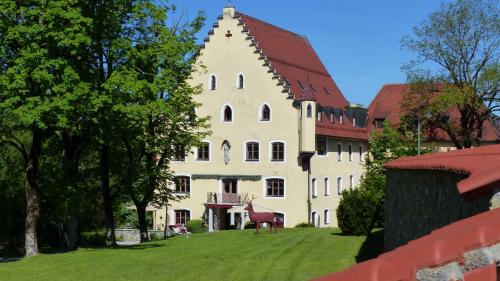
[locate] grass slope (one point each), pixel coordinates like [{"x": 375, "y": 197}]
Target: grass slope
[{"x": 291, "y": 254}]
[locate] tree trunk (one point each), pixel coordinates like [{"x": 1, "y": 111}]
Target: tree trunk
[
  {"x": 71, "y": 160},
  {"x": 143, "y": 225},
  {"x": 32, "y": 204},
  {"x": 106, "y": 196}
]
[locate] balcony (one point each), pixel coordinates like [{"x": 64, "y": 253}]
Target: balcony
[{"x": 226, "y": 198}]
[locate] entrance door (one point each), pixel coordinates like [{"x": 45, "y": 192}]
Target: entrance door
[{"x": 230, "y": 191}]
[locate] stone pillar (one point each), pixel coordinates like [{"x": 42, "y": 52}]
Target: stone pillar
[
  {"x": 243, "y": 220},
  {"x": 231, "y": 218},
  {"x": 210, "y": 220}
]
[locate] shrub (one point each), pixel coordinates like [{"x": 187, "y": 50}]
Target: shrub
[
  {"x": 356, "y": 212},
  {"x": 195, "y": 226},
  {"x": 304, "y": 224},
  {"x": 93, "y": 239},
  {"x": 153, "y": 236},
  {"x": 249, "y": 225}
]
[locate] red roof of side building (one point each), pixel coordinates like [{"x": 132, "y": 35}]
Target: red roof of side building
[
  {"x": 482, "y": 165},
  {"x": 292, "y": 57},
  {"x": 444, "y": 246},
  {"x": 386, "y": 105}
]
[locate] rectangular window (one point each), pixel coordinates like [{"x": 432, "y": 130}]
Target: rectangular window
[
  {"x": 327, "y": 187},
  {"x": 182, "y": 216},
  {"x": 204, "y": 152},
  {"x": 379, "y": 123},
  {"x": 321, "y": 145},
  {"x": 326, "y": 216},
  {"x": 331, "y": 117},
  {"x": 319, "y": 115},
  {"x": 179, "y": 153},
  {"x": 350, "y": 152},
  {"x": 275, "y": 187},
  {"x": 278, "y": 151},
  {"x": 182, "y": 184},
  {"x": 252, "y": 151},
  {"x": 339, "y": 152},
  {"x": 360, "y": 153},
  {"x": 351, "y": 181},
  {"x": 339, "y": 185},
  {"x": 314, "y": 187}
]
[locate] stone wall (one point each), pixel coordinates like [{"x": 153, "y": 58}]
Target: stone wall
[
  {"x": 134, "y": 234},
  {"x": 419, "y": 201}
]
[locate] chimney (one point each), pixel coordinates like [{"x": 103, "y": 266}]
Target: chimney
[{"x": 229, "y": 11}]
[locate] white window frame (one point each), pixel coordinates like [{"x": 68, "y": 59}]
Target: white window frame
[
  {"x": 245, "y": 152},
  {"x": 190, "y": 184},
  {"x": 351, "y": 182},
  {"x": 314, "y": 187},
  {"x": 264, "y": 188},
  {"x": 223, "y": 108},
  {"x": 326, "y": 146},
  {"x": 259, "y": 114},
  {"x": 326, "y": 182},
  {"x": 326, "y": 216},
  {"x": 339, "y": 186},
  {"x": 210, "y": 82},
  {"x": 209, "y": 152},
  {"x": 238, "y": 81},
  {"x": 172, "y": 214},
  {"x": 341, "y": 118},
  {"x": 339, "y": 153},
  {"x": 271, "y": 151}
]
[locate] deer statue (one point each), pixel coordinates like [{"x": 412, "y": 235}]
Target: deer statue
[{"x": 260, "y": 217}]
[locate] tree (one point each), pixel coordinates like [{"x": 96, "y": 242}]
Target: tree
[
  {"x": 155, "y": 111},
  {"x": 39, "y": 45},
  {"x": 461, "y": 43}
]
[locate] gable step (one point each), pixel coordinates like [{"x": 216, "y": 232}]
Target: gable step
[
  {"x": 206, "y": 39},
  {"x": 211, "y": 32},
  {"x": 215, "y": 25}
]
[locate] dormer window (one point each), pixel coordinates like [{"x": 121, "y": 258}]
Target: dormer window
[
  {"x": 213, "y": 82},
  {"x": 331, "y": 117},
  {"x": 354, "y": 121},
  {"x": 309, "y": 111},
  {"x": 240, "y": 81},
  {"x": 319, "y": 116},
  {"x": 341, "y": 118},
  {"x": 265, "y": 114}
]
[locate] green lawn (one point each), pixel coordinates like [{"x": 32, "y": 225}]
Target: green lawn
[{"x": 291, "y": 254}]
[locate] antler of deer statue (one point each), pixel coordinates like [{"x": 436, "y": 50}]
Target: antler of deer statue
[{"x": 260, "y": 217}]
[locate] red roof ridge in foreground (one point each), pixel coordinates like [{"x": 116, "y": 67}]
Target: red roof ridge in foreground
[
  {"x": 442, "y": 247},
  {"x": 482, "y": 165}
]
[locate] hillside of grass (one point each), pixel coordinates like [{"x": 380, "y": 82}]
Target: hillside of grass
[{"x": 290, "y": 254}]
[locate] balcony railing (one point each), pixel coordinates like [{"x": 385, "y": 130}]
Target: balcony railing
[{"x": 227, "y": 198}]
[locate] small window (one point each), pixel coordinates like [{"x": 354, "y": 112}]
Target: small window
[
  {"x": 331, "y": 118},
  {"x": 275, "y": 187},
  {"x": 252, "y": 151},
  {"x": 228, "y": 114},
  {"x": 314, "y": 188},
  {"x": 351, "y": 181},
  {"x": 339, "y": 152},
  {"x": 309, "y": 111},
  {"x": 319, "y": 115},
  {"x": 179, "y": 153},
  {"x": 213, "y": 82},
  {"x": 266, "y": 113},
  {"x": 354, "y": 121},
  {"x": 321, "y": 147},
  {"x": 339, "y": 185},
  {"x": 204, "y": 152},
  {"x": 182, "y": 216},
  {"x": 314, "y": 220},
  {"x": 341, "y": 118},
  {"x": 326, "y": 216},
  {"x": 277, "y": 152},
  {"x": 350, "y": 152},
  {"x": 360, "y": 148},
  {"x": 182, "y": 184},
  {"x": 327, "y": 187},
  {"x": 241, "y": 81},
  {"x": 379, "y": 123}
]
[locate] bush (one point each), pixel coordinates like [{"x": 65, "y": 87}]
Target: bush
[
  {"x": 249, "y": 225},
  {"x": 153, "y": 236},
  {"x": 357, "y": 210},
  {"x": 195, "y": 226},
  {"x": 304, "y": 224},
  {"x": 93, "y": 239}
]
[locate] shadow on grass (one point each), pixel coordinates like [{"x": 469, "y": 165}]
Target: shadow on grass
[
  {"x": 142, "y": 246},
  {"x": 372, "y": 247}
]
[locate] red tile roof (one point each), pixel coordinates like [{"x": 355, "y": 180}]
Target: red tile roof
[
  {"x": 386, "y": 105},
  {"x": 482, "y": 165},
  {"x": 295, "y": 61},
  {"x": 443, "y": 246}
]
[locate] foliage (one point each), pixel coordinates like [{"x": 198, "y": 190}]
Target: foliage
[
  {"x": 304, "y": 225},
  {"x": 304, "y": 253},
  {"x": 195, "y": 226},
  {"x": 461, "y": 43},
  {"x": 356, "y": 211}
]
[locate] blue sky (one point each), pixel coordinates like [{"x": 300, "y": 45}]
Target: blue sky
[{"x": 357, "y": 40}]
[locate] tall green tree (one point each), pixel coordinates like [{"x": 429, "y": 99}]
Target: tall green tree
[
  {"x": 156, "y": 112},
  {"x": 457, "y": 51},
  {"x": 40, "y": 42}
]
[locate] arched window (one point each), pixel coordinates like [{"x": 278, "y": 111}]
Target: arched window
[
  {"x": 241, "y": 81},
  {"x": 228, "y": 114},
  {"x": 266, "y": 113},
  {"x": 309, "y": 111},
  {"x": 213, "y": 82}
]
